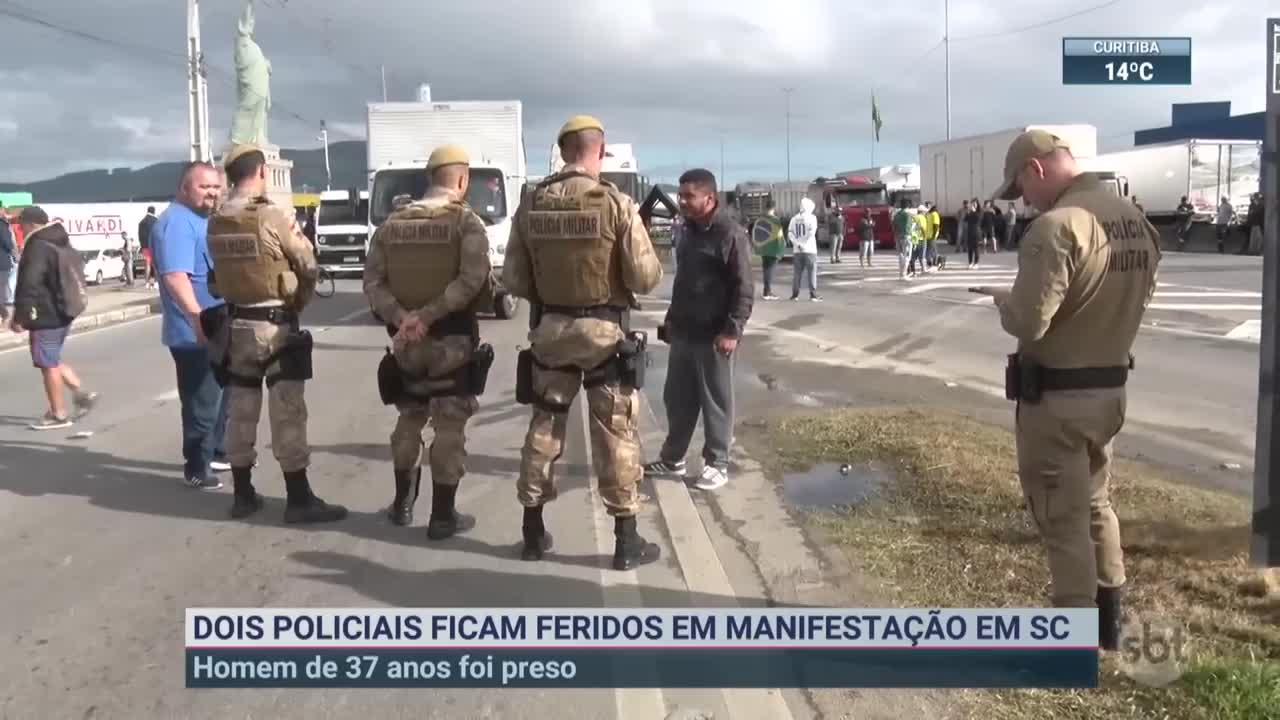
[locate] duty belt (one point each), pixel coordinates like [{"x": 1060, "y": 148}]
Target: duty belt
[
  {"x": 459, "y": 323},
  {"x": 1086, "y": 378},
  {"x": 599, "y": 312},
  {"x": 276, "y": 315}
]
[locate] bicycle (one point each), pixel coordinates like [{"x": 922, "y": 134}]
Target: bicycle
[{"x": 326, "y": 286}]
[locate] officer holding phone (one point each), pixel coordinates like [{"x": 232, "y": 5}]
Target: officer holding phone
[{"x": 1086, "y": 273}]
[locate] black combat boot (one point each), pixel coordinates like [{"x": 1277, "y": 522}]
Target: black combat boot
[
  {"x": 407, "y": 484},
  {"x": 246, "y": 501},
  {"x": 1108, "y": 617},
  {"x": 536, "y": 538},
  {"x": 303, "y": 506},
  {"x": 630, "y": 550},
  {"x": 445, "y": 521}
]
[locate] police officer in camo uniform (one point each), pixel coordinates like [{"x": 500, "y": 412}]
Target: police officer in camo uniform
[
  {"x": 580, "y": 254},
  {"x": 426, "y": 276},
  {"x": 265, "y": 270},
  {"x": 1086, "y": 273}
]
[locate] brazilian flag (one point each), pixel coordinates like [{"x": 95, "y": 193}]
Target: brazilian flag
[{"x": 875, "y": 117}]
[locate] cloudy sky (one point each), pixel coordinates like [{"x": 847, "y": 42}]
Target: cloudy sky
[{"x": 675, "y": 78}]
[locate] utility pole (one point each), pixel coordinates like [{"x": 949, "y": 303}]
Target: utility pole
[
  {"x": 1265, "y": 548},
  {"x": 197, "y": 89},
  {"x": 788, "y": 92},
  {"x": 328, "y": 174},
  {"x": 946, "y": 50},
  {"x": 723, "y": 181},
  {"x": 384, "y": 82}
]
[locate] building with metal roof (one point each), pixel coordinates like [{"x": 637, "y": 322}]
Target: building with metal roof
[{"x": 1204, "y": 120}]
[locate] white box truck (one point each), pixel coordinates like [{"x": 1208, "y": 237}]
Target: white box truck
[
  {"x": 401, "y": 136},
  {"x": 960, "y": 169},
  {"x": 342, "y": 230},
  {"x": 620, "y": 168},
  {"x": 1204, "y": 171}
]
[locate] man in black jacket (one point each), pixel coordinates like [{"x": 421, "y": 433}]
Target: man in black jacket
[
  {"x": 38, "y": 310},
  {"x": 711, "y": 302}
]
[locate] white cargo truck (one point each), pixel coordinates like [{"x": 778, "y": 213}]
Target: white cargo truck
[
  {"x": 953, "y": 171},
  {"x": 1203, "y": 171},
  {"x": 401, "y": 136},
  {"x": 342, "y": 230}
]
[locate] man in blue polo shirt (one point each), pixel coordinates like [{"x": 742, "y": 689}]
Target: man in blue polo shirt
[{"x": 181, "y": 253}]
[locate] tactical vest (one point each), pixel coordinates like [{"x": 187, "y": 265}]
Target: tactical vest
[
  {"x": 247, "y": 269},
  {"x": 571, "y": 243},
  {"x": 424, "y": 248}
]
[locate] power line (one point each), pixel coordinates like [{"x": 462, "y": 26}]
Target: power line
[
  {"x": 1038, "y": 25},
  {"x": 327, "y": 37},
  {"x": 18, "y": 14},
  {"x": 22, "y": 13}
]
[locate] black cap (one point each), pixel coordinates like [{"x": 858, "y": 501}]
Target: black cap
[{"x": 33, "y": 215}]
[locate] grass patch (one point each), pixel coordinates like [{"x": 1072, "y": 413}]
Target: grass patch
[
  {"x": 1240, "y": 690},
  {"x": 951, "y": 531}
]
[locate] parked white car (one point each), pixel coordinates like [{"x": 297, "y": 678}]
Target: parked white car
[{"x": 102, "y": 264}]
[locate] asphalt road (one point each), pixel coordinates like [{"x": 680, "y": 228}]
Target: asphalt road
[
  {"x": 105, "y": 546},
  {"x": 1192, "y": 400}
]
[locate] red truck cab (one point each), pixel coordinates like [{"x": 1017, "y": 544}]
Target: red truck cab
[{"x": 855, "y": 197}]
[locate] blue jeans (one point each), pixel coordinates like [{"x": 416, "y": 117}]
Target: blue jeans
[{"x": 204, "y": 410}]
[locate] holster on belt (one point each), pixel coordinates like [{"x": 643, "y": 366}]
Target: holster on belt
[
  {"x": 1027, "y": 381},
  {"x": 215, "y": 322}
]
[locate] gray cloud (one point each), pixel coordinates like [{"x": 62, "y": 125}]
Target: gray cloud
[{"x": 670, "y": 76}]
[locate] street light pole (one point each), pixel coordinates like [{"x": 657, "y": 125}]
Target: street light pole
[
  {"x": 788, "y": 92},
  {"x": 723, "y": 181},
  {"x": 328, "y": 174},
  {"x": 946, "y": 47},
  {"x": 197, "y": 88}
]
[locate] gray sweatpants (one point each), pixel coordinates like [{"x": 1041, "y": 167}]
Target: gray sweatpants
[{"x": 699, "y": 381}]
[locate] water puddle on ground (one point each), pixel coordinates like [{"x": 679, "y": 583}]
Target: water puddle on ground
[{"x": 834, "y": 485}]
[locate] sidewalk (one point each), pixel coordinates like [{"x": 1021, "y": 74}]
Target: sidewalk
[{"x": 112, "y": 303}]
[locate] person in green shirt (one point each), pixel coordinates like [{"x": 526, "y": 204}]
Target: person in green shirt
[
  {"x": 904, "y": 236},
  {"x": 766, "y": 235}
]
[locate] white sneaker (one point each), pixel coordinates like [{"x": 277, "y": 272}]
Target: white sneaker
[{"x": 712, "y": 478}]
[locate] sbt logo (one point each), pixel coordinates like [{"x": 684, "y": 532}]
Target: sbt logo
[{"x": 1153, "y": 652}]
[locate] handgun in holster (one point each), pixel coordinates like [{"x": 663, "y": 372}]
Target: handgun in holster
[
  {"x": 390, "y": 379},
  {"x": 477, "y": 371},
  {"x": 294, "y": 357},
  {"x": 1022, "y": 380},
  {"x": 524, "y": 377},
  {"x": 215, "y": 323},
  {"x": 633, "y": 358}
]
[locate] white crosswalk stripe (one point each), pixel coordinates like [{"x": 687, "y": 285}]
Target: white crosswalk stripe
[{"x": 952, "y": 284}]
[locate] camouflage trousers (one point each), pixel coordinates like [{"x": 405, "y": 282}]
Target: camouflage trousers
[
  {"x": 447, "y": 416},
  {"x": 252, "y": 342},
  {"x": 613, "y": 423}
]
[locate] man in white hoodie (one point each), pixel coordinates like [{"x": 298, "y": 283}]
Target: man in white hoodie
[{"x": 802, "y": 233}]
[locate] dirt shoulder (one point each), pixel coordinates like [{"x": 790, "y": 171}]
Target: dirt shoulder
[{"x": 947, "y": 528}]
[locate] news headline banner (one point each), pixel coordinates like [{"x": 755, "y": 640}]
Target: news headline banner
[{"x": 622, "y": 648}]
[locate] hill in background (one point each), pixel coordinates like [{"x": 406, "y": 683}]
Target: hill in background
[{"x": 157, "y": 182}]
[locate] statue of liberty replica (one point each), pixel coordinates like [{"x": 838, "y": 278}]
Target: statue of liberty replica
[{"x": 253, "y": 105}]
